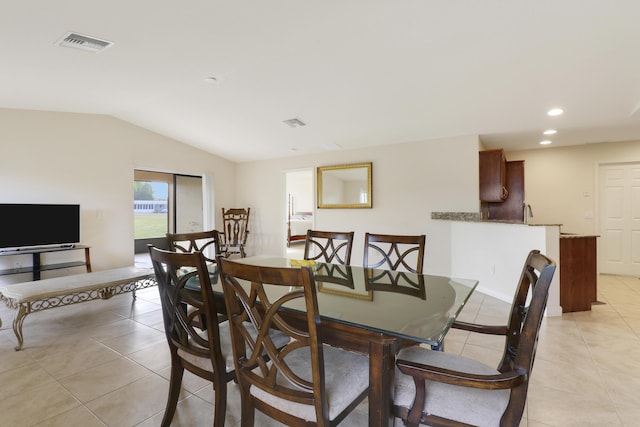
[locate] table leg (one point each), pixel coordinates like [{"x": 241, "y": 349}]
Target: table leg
[{"x": 381, "y": 373}]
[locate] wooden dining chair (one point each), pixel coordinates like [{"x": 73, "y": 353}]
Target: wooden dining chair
[
  {"x": 390, "y": 262},
  {"x": 328, "y": 246},
  {"x": 235, "y": 231},
  {"x": 205, "y": 242},
  {"x": 394, "y": 252},
  {"x": 305, "y": 382},
  {"x": 440, "y": 389},
  {"x": 204, "y": 351}
]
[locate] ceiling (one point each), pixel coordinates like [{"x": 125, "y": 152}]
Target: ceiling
[{"x": 357, "y": 72}]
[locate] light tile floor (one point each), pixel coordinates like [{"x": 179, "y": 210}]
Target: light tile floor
[{"x": 106, "y": 363}]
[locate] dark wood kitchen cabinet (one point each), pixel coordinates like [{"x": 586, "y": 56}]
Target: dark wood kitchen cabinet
[
  {"x": 578, "y": 272},
  {"x": 512, "y": 208},
  {"x": 493, "y": 175}
]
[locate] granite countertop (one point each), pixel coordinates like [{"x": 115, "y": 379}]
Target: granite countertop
[
  {"x": 477, "y": 217},
  {"x": 577, "y": 236},
  {"x": 458, "y": 216}
]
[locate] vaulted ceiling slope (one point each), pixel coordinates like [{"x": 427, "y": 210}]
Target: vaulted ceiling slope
[{"x": 223, "y": 75}]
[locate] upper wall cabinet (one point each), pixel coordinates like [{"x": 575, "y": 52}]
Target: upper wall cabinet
[
  {"x": 512, "y": 208},
  {"x": 493, "y": 176}
]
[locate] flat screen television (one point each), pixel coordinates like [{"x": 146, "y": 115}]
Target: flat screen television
[{"x": 35, "y": 225}]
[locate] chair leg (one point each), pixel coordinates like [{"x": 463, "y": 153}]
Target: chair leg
[
  {"x": 247, "y": 412},
  {"x": 220, "y": 408},
  {"x": 175, "y": 382}
]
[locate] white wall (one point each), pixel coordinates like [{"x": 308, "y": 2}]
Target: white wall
[
  {"x": 299, "y": 184},
  {"x": 89, "y": 159},
  {"x": 50, "y": 157},
  {"x": 561, "y": 183},
  {"x": 409, "y": 182},
  {"x": 494, "y": 253}
]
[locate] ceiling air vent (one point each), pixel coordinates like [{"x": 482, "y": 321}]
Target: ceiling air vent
[
  {"x": 294, "y": 123},
  {"x": 79, "y": 41}
]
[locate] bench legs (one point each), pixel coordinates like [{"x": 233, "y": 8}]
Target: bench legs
[
  {"x": 105, "y": 292},
  {"x": 17, "y": 325},
  {"x": 23, "y": 310}
]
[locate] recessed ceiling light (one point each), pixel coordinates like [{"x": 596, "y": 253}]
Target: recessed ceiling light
[
  {"x": 545, "y": 142},
  {"x": 555, "y": 112},
  {"x": 550, "y": 132},
  {"x": 211, "y": 79}
]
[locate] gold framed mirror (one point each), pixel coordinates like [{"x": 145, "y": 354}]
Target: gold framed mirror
[{"x": 344, "y": 186}]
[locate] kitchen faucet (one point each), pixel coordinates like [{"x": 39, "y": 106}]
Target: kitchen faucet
[{"x": 527, "y": 213}]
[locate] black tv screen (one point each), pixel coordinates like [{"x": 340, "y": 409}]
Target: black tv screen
[{"x": 32, "y": 225}]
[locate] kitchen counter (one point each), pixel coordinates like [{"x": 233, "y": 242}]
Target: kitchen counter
[
  {"x": 477, "y": 217},
  {"x": 493, "y": 252},
  {"x": 575, "y": 255}
]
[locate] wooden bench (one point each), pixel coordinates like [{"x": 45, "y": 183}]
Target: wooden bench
[{"x": 29, "y": 297}]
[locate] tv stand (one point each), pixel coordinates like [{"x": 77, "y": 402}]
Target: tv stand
[{"x": 37, "y": 267}]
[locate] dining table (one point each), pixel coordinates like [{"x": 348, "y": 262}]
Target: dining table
[{"x": 375, "y": 312}]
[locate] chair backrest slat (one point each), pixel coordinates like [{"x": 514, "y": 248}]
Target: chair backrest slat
[
  {"x": 329, "y": 246},
  {"x": 235, "y": 225},
  {"x": 182, "y": 304},
  {"x": 235, "y": 231},
  {"x": 394, "y": 252},
  {"x": 253, "y": 308},
  {"x": 521, "y": 337},
  {"x": 191, "y": 325},
  {"x": 206, "y": 242},
  {"x": 527, "y": 312}
]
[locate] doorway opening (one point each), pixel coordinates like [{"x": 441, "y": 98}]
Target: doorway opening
[{"x": 300, "y": 212}]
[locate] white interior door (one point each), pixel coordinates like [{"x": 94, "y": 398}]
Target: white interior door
[{"x": 620, "y": 219}]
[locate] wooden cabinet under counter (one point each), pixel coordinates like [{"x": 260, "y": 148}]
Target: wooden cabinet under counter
[{"x": 578, "y": 272}]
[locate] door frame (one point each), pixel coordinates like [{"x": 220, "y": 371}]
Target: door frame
[
  {"x": 598, "y": 214},
  {"x": 208, "y": 220},
  {"x": 285, "y": 199}
]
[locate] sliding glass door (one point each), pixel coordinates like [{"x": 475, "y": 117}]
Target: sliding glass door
[
  {"x": 165, "y": 203},
  {"x": 188, "y": 206}
]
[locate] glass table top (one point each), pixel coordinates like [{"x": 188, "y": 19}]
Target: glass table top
[{"x": 418, "y": 307}]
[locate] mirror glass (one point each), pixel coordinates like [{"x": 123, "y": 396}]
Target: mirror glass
[{"x": 344, "y": 186}]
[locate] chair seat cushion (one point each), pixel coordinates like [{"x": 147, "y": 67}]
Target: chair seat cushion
[
  {"x": 473, "y": 406},
  {"x": 279, "y": 339},
  {"x": 346, "y": 378}
]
